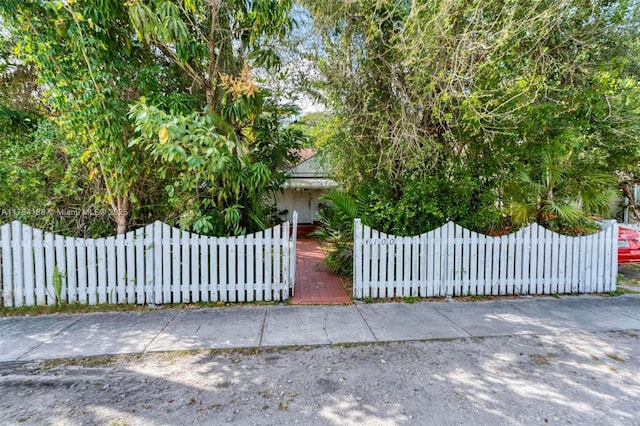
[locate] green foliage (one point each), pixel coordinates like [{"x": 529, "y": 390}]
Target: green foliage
[
  {"x": 447, "y": 109},
  {"x": 220, "y": 172}
]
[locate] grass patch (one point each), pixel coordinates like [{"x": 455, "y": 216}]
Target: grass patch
[{"x": 78, "y": 308}]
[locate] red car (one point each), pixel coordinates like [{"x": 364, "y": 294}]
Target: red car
[{"x": 628, "y": 245}]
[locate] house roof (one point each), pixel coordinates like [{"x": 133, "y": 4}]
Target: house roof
[{"x": 309, "y": 173}]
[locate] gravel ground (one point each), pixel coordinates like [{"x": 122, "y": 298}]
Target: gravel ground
[{"x": 591, "y": 378}]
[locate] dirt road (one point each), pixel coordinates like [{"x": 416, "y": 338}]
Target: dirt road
[{"x": 590, "y": 378}]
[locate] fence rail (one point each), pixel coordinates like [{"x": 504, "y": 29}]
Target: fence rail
[
  {"x": 156, "y": 264},
  {"x": 453, "y": 261}
]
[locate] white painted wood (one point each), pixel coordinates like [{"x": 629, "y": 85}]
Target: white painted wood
[
  {"x": 130, "y": 247},
  {"x": 163, "y": 239},
  {"x": 7, "y": 266},
  {"x": 482, "y": 264},
  {"x": 292, "y": 256},
  {"x": 185, "y": 267},
  {"x": 176, "y": 273},
  {"x": 222, "y": 268},
  {"x": 72, "y": 270},
  {"x": 511, "y": 260},
  {"x": 423, "y": 259},
  {"x": 232, "y": 284},
  {"x": 439, "y": 253},
  {"x": 214, "y": 267},
  {"x": 415, "y": 271},
  {"x": 288, "y": 250},
  {"x": 112, "y": 273},
  {"x": 121, "y": 274},
  {"x": 525, "y": 263},
  {"x": 357, "y": 261},
  {"x": 205, "y": 283},
  {"x": 540, "y": 289},
  {"x": 29, "y": 287},
  {"x": 582, "y": 268},
  {"x": 458, "y": 246},
  {"x": 92, "y": 272},
  {"x": 398, "y": 245},
  {"x": 278, "y": 282},
  {"x": 251, "y": 260},
  {"x": 61, "y": 262},
  {"x": 196, "y": 283},
  {"x": 518, "y": 262},
  {"x": 562, "y": 263},
  {"x": 503, "y": 241},
  {"x": 602, "y": 275},
  {"x": 39, "y": 262},
  {"x": 102, "y": 267},
  {"x": 495, "y": 269},
  {"x": 268, "y": 281},
  {"x": 50, "y": 261},
  {"x": 140, "y": 266},
  {"x": 17, "y": 265},
  {"x": 81, "y": 266},
  {"x": 366, "y": 262},
  {"x": 473, "y": 263},
  {"x": 375, "y": 263},
  {"x": 554, "y": 250}
]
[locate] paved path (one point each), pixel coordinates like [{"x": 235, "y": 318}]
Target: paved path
[
  {"x": 60, "y": 336},
  {"x": 315, "y": 284}
]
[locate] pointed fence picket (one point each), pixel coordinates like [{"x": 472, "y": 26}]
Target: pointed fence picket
[
  {"x": 156, "y": 264},
  {"x": 453, "y": 261}
]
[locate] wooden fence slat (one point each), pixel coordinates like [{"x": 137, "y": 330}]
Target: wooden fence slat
[
  {"x": 8, "y": 284},
  {"x": 101, "y": 261},
  {"x": 29, "y": 287},
  {"x": 375, "y": 263},
  {"x": 250, "y": 262},
  {"x": 61, "y": 262},
  {"x": 149, "y": 285},
  {"x": 81, "y": 266},
  {"x": 92, "y": 272},
  {"x": 196, "y": 282},
  {"x": 23, "y": 284},
  {"x": 357, "y": 262},
  {"x": 175, "y": 265},
  {"x": 473, "y": 263},
  {"x": 112, "y": 272},
  {"x": 130, "y": 281},
  {"x": 415, "y": 272},
  {"x": 121, "y": 275},
  {"x": 140, "y": 266},
  {"x": 278, "y": 284},
  {"x": 205, "y": 282},
  {"x": 50, "y": 261},
  {"x": 72, "y": 270},
  {"x": 562, "y": 263},
  {"x": 222, "y": 268},
  {"x": 511, "y": 259},
  {"x": 185, "y": 266},
  {"x": 214, "y": 269},
  {"x": 366, "y": 262},
  {"x": 166, "y": 259},
  {"x": 268, "y": 247},
  {"x": 232, "y": 282},
  {"x": 524, "y": 254},
  {"x": 482, "y": 266},
  {"x": 503, "y": 263},
  {"x": 39, "y": 264}
]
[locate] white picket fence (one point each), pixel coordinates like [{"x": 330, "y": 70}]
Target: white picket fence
[
  {"x": 156, "y": 264},
  {"x": 453, "y": 261}
]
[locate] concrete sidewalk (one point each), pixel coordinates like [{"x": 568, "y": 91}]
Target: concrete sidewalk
[{"x": 61, "y": 336}]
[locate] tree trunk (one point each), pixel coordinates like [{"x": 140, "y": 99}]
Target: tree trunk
[{"x": 121, "y": 213}]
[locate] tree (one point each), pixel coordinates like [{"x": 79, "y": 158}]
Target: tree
[
  {"x": 99, "y": 68},
  {"x": 451, "y": 100},
  {"x": 229, "y": 152}
]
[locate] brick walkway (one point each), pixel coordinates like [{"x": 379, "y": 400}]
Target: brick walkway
[{"x": 315, "y": 285}]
